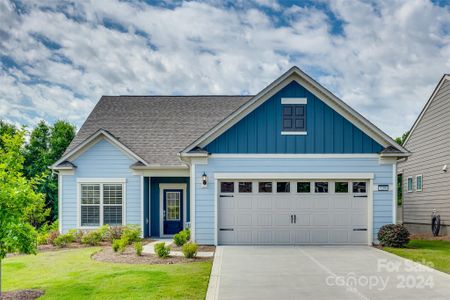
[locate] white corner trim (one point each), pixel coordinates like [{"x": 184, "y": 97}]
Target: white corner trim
[
  {"x": 216, "y": 214},
  {"x": 101, "y": 180},
  {"x": 87, "y": 143},
  {"x": 394, "y": 196},
  {"x": 370, "y": 213},
  {"x": 425, "y": 108},
  {"x": 294, "y": 100},
  {"x": 294, "y": 133},
  {"x": 141, "y": 197},
  {"x": 169, "y": 186},
  {"x": 60, "y": 189},
  {"x": 192, "y": 202},
  {"x": 293, "y": 176}
]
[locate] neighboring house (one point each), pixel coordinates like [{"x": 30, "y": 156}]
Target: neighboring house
[
  {"x": 426, "y": 173},
  {"x": 293, "y": 164}
]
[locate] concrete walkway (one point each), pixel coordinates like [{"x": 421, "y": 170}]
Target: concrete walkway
[
  {"x": 321, "y": 272},
  {"x": 150, "y": 249}
]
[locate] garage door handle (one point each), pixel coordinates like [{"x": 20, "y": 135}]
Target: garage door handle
[
  {"x": 292, "y": 219},
  {"x": 295, "y": 219},
  {"x": 225, "y": 196},
  {"x": 360, "y": 196},
  {"x": 226, "y": 229},
  {"x": 359, "y": 229}
]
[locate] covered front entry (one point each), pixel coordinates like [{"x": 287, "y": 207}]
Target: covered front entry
[
  {"x": 293, "y": 212},
  {"x": 166, "y": 206}
]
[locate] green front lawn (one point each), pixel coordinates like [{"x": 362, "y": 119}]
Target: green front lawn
[
  {"x": 426, "y": 251},
  {"x": 71, "y": 274}
]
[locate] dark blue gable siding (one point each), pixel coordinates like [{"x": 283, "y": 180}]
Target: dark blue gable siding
[{"x": 327, "y": 131}]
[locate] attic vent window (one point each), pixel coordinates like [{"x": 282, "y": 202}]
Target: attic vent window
[{"x": 294, "y": 116}]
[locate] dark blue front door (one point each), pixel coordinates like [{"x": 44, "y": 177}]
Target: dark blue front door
[{"x": 173, "y": 211}]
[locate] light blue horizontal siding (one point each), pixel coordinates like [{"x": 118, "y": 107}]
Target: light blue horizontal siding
[
  {"x": 102, "y": 160},
  {"x": 327, "y": 130},
  {"x": 204, "y": 197}
]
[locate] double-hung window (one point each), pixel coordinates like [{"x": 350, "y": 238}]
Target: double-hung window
[
  {"x": 294, "y": 116},
  {"x": 410, "y": 184},
  {"x": 419, "y": 183},
  {"x": 101, "y": 203}
]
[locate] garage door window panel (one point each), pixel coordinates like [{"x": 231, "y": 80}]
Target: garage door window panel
[
  {"x": 341, "y": 187},
  {"x": 359, "y": 187},
  {"x": 303, "y": 187},
  {"x": 321, "y": 187},
  {"x": 227, "y": 187},
  {"x": 283, "y": 187},
  {"x": 265, "y": 187},
  {"x": 245, "y": 187}
]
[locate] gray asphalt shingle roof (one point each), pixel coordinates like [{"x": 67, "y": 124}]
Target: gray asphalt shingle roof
[{"x": 156, "y": 128}]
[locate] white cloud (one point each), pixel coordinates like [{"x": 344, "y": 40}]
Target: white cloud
[{"x": 385, "y": 63}]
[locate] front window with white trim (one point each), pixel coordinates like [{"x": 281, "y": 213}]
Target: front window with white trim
[
  {"x": 419, "y": 183},
  {"x": 410, "y": 184},
  {"x": 101, "y": 204}
]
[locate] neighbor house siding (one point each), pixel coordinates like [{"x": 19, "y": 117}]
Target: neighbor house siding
[
  {"x": 102, "y": 160},
  {"x": 429, "y": 144},
  {"x": 260, "y": 131},
  {"x": 205, "y": 198}
]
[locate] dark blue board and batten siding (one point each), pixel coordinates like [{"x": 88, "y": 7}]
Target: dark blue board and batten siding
[{"x": 327, "y": 131}]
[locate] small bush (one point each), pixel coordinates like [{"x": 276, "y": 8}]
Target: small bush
[
  {"x": 52, "y": 235},
  {"x": 393, "y": 235},
  {"x": 115, "y": 232},
  {"x": 77, "y": 235},
  {"x": 115, "y": 245},
  {"x": 190, "y": 250},
  {"x": 138, "y": 247},
  {"x": 63, "y": 240},
  {"x": 182, "y": 237},
  {"x": 92, "y": 238},
  {"x": 104, "y": 232},
  {"x": 123, "y": 243},
  {"x": 42, "y": 238},
  {"x": 162, "y": 250},
  {"x": 132, "y": 233}
]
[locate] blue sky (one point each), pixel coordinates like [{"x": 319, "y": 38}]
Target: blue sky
[{"x": 57, "y": 58}]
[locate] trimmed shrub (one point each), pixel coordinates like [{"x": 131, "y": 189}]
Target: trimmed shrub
[
  {"x": 104, "y": 232},
  {"x": 52, "y": 235},
  {"x": 115, "y": 232},
  {"x": 77, "y": 235},
  {"x": 182, "y": 237},
  {"x": 42, "y": 238},
  {"x": 138, "y": 247},
  {"x": 393, "y": 235},
  {"x": 115, "y": 245},
  {"x": 92, "y": 238},
  {"x": 63, "y": 240},
  {"x": 123, "y": 243},
  {"x": 190, "y": 250},
  {"x": 132, "y": 233},
  {"x": 162, "y": 250}
]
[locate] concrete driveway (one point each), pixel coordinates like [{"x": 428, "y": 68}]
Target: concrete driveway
[{"x": 321, "y": 272}]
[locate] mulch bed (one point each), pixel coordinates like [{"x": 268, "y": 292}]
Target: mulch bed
[
  {"x": 429, "y": 236},
  {"x": 22, "y": 295},
  {"x": 130, "y": 257},
  {"x": 201, "y": 248}
]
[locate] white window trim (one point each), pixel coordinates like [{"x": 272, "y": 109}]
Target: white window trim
[
  {"x": 170, "y": 186},
  {"x": 294, "y": 133},
  {"x": 421, "y": 183},
  {"x": 294, "y": 101},
  {"x": 101, "y": 181},
  {"x": 407, "y": 184}
]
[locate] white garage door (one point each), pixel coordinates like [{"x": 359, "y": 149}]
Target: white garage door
[{"x": 292, "y": 212}]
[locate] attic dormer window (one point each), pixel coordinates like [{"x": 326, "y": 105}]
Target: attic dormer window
[{"x": 294, "y": 116}]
